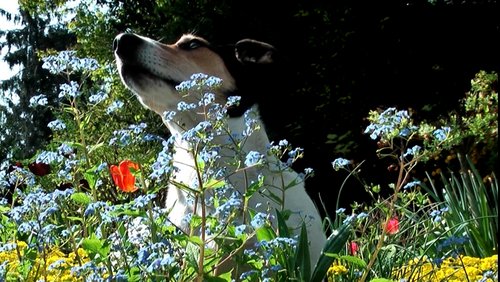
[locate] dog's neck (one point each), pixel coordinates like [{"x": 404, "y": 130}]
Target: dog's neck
[{"x": 256, "y": 141}]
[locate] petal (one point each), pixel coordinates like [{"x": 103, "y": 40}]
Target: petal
[
  {"x": 126, "y": 165},
  {"x": 116, "y": 175},
  {"x": 128, "y": 183}
]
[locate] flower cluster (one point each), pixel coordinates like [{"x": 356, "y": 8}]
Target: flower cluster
[
  {"x": 389, "y": 124},
  {"x": 461, "y": 268},
  {"x": 67, "y": 61},
  {"x": 52, "y": 264}
]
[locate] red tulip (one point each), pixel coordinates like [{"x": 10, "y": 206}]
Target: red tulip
[
  {"x": 392, "y": 226},
  {"x": 353, "y": 248},
  {"x": 123, "y": 177},
  {"x": 39, "y": 169}
]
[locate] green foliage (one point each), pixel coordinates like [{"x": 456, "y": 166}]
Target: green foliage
[
  {"x": 459, "y": 220},
  {"x": 23, "y": 129},
  {"x": 478, "y": 121},
  {"x": 471, "y": 204}
]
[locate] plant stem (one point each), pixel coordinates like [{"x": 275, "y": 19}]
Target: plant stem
[
  {"x": 201, "y": 258},
  {"x": 401, "y": 179}
]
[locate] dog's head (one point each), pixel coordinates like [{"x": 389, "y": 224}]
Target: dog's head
[{"x": 152, "y": 70}]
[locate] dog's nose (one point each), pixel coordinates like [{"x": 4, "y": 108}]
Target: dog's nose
[{"x": 125, "y": 44}]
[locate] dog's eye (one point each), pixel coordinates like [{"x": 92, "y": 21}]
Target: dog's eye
[{"x": 191, "y": 44}]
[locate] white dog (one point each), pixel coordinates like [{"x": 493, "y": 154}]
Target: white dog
[{"x": 152, "y": 70}]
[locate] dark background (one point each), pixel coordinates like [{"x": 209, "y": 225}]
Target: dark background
[{"x": 348, "y": 57}]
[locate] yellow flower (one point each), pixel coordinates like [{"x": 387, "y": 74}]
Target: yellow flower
[
  {"x": 336, "y": 269},
  {"x": 13, "y": 256},
  {"x": 462, "y": 268},
  {"x": 50, "y": 265}
]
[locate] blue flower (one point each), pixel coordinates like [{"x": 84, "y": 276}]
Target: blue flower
[
  {"x": 228, "y": 206},
  {"x": 38, "y": 100},
  {"x": 143, "y": 200},
  {"x": 46, "y": 213},
  {"x": 411, "y": 184},
  {"x": 441, "y": 134},
  {"x": 101, "y": 167},
  {"x": 208, "y": 98},
  {"x": 283, "y": 242},
  {"x": 213, "y": 82},
  {"x": 48, "y": 157},
  {"x": 201, "y": 132},
  {"x": 293, "y": 155},
  {"x": 340, "y": 211},
  {"x": 258, "y": 220},
  {"x": 362, "y": 215},
  {"x": 413, "y": 151},
  {"x": 169, "y": 115},
  {"x": 138, "y": 128},
  {"x": 240, "y": 229},
  {"x": 233, "y": 101},
  {"x": 71, "y": 90},
  {"x": 115, "y": 105},
  {"x": 436, "y": 214},
  {"x": 349, "y": 219},
  {"x": 65, "y": 149},
  {"x": 388, "y": 122},
  {"x": 249, "y": 274},
  {"x": 183, "y": 106},
  {"x": 98, "y": 97},
  {"x": 340, "y": 163},
  {"x": 56, "y": 125},
  {"x": 253, "y": 158},
  {"x": 91, "y": 208},
  {"x": 68, "y": 61},
  {"x": 28, "y": 227},
  {"x": 163, "y": 164},
  {"x": 251, "y": 122}
]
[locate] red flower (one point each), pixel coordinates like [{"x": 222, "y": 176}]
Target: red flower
[
  {"x": 353, "y": 248},
  {"x": 392, "y": 226},
  {"x": 123, "y": 177}
]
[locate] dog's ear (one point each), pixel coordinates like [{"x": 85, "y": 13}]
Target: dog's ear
[{"x": 254, "y": 52}]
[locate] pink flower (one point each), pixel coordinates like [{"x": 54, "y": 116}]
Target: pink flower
[
  {"x": 392, "y": 226},
  {"x": 353, "y": 248}
]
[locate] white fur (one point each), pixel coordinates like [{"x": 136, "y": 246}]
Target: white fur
[{"x": 296, "y": 199}]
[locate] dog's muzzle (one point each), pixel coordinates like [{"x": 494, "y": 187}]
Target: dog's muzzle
[{"x": 125, "y": 46}]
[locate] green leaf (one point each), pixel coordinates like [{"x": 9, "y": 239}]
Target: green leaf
[
  {"x": 91, "y": 176},
  {"x": 96, "y": 246},
  {"x": 381, "y": 280},
  {"x": 282, "y": 227},
  {"x": 200, "y": 164},
  {"x": 302, "y": 256},
  {"x": 255, "y": 186},
  {"x": 81, "y": 198},
  {"x": 354, "y": 260},
  {"x": 74, "y": 218},
  {"x": 334, "y": 244},
  {"x": 220, "y": 278},
  {"x": 95, "y": 147},
  {"x": 214, "y": 184},
  {"x": 196, "y": 240}
]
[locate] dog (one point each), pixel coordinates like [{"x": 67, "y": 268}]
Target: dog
[{"x": 152, "y": 70}]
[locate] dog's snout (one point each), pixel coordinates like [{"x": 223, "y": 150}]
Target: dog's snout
[{"x": 126, "y": 44}]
